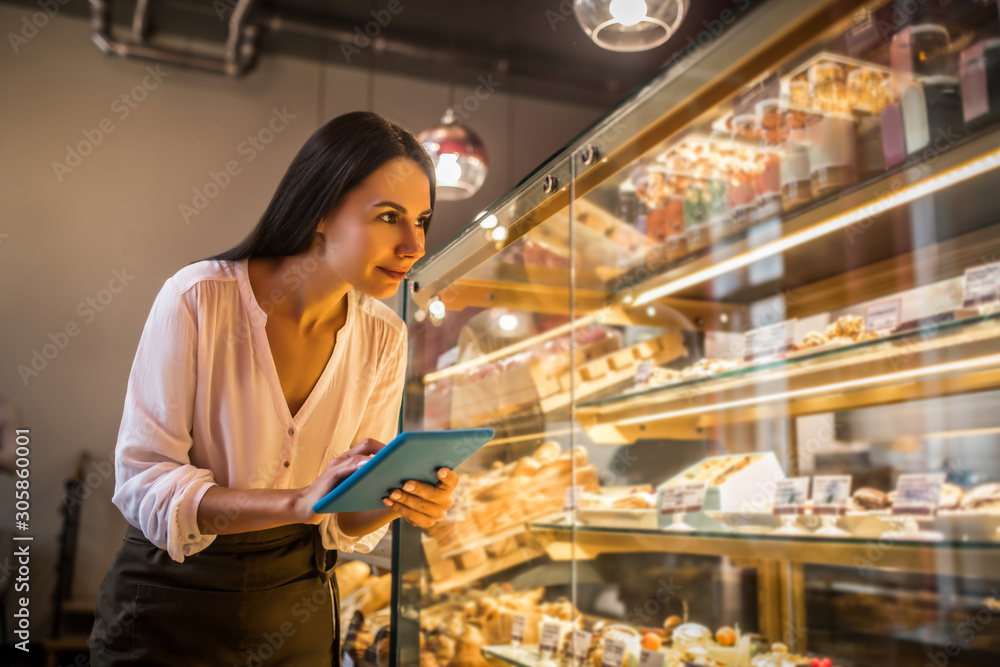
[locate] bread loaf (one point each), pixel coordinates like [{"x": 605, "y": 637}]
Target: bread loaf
[{"x": 351, "y": 576}]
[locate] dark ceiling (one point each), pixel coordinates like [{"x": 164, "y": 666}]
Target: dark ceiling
[{"x": 536, "y": 45}]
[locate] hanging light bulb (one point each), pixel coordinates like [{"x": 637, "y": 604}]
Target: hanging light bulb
[
  {"x": 459, "y": 158},
  {"x": 508, "y": 322},
  {"x": 630, "y": 25},
  {"x": 628, "y": 12}
]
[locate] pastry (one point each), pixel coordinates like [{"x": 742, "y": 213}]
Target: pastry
[
  {"x": 634, "y": 501},
  {"x": 951, "y": 497},
  {"x": 351, "y": 576},
  {"x": 469, "y": 653},
  {"x": 547, "y": 452},
  {"x": 814, "y": 339},
  {"x": 870, "y": 499},
  {"x": 985, "y": 497},
  {"x": 526, "y": 467},
  {"x": 687, "y": 635},
  {"x": 378, "y": 593},
  {"x": 726, "y": 636}
]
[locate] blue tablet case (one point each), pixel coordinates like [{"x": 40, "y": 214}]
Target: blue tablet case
[{"x": 416, "y": 455}]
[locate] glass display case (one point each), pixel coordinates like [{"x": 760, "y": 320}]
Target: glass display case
[{"x": 740, "y": 345}]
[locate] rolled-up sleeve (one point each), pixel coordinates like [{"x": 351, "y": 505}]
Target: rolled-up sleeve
[
  {"x": 157, "y": 488},
  {"x": 381, "y": 422}
]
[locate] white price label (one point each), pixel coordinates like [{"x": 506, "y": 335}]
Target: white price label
[
  {"x": 447, "y": 359},
  {"x": 981, "y": 285},
  {"x": 581, "y": 645},
  {"x": 649, "y": 658},
  {"x": 918, "y": 494},
  {"x": 790, "y": 496},
  {"x": 571, "y": 502},
  {"x": 549, "y": 642},
  {"x": 679, "y": 498},
  {"x": 614, "y": 653},
  {"x": 769, "y": 341},
  {"x": 644, "y": 370},
  {"x": 884, "y": 316},
  {"x": 830, "y": 494},
  {"x": 518, "y": 627}
]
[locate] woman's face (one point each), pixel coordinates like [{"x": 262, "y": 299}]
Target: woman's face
[{"x": 376, "y": 232}]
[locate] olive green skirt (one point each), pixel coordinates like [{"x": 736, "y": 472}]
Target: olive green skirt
[{"x": 251, "y": 599}]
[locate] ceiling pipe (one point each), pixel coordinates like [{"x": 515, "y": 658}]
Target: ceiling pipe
[
  {"x": 241, "y": 45},
  {"x": 242, "y": 48}
]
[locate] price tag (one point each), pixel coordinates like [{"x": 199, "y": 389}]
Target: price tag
[
  {"x": 918, "y": 494},
  {"x": 549, "y": 642},
  {"x": 830, "y": 494},
  {"x": 790, "y": 497},
  {"x": 679, "y": 498},
  {"x": 649, "y": 658},
  {"x": 981, "y": 285},
  {"x": 518, "y": 627},
  {"x": 571, "y": 503},
  {"x": 769, "y": 341},
  {"x": 614, "y": 653},
  {"x": 884, "y": 316},
  {"x": 447, "y": 359},
  {"x": 581, "y": 645},
  {"x": 644, "y": 370}
]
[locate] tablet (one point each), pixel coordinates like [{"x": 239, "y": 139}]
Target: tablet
[{"x": 416, "y": 455}]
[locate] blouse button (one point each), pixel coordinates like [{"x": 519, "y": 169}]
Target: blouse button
[
  {"x": 286, "y": 464},
  {"x": 191, "y": 536},
  {"x": 291, "y": 431}
]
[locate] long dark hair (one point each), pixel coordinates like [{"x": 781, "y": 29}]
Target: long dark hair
[{"x": 335, "y": 159}]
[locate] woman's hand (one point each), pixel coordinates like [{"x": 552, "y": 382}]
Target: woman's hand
[
  {"x": 421, "y": 504},
  {"x": 339, "y": 469}
]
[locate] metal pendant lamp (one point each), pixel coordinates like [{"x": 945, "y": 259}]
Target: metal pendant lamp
[{"x": 630, "y": 25}]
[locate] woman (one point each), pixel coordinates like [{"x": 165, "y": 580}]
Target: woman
[{"x": 264, "y": 377}]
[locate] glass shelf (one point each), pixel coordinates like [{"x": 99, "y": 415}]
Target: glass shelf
[
  {"x": 525, "y": 656},
  {"x": 933, "y": 360},
  {"x": 959, "y": 557}
]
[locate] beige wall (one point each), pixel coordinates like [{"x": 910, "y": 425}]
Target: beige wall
[{"x": 62, "y": 241}]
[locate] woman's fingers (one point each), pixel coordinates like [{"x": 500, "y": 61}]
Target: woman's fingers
[
  {"x": 449, "y": 480},
  {"x": 367, "y": 447},
  {"x": 424, "y": 504},
  {"x": 418, "y": 519}
]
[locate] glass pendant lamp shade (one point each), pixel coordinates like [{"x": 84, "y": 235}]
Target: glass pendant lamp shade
[
  {"x": 459, "y": 158},
  {"x": 630, "y": 25}
]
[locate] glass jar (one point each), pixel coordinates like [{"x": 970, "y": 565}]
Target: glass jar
[
  {"x": 864, "y": 88},
  {"x": 767, "y": 180},
  {"x": 929, "y": 50},
  {"x": 827, "y": 88},
  {"x": 871, "y": 159},
  {"x": 831, "y": 144},
  {"x": 742, "y": 193},
  {"x": 932, "y": 112},
  {"x": 796, "y": 183}
]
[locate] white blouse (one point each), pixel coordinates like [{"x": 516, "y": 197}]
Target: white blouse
[{"x": 204, "y": 405}]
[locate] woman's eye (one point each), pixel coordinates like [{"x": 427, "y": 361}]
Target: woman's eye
[
  {"x": 422, "y": 222},
  {"x": 389, "y": 216}
]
